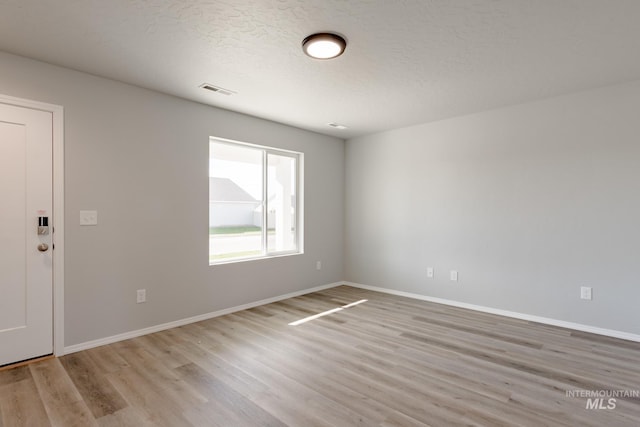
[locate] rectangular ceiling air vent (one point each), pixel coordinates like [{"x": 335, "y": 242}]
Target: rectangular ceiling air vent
[
  {"x": 217, "y": 89},
  {"x": 337, "y": 126}
]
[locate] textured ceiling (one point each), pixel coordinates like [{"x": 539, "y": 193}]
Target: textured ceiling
[{"x": 407, "y": 62}]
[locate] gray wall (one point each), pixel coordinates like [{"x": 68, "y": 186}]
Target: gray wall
[
  {"x": 528, "y": 203},
  {"x": 141, "y": 159}
]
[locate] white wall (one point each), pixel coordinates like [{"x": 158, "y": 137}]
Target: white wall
[
  {"x": 528, "y": 203},
  {"x": 141, "y": 159}
]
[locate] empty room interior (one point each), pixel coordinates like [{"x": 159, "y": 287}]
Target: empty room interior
[{"x": 319, "y": 213}]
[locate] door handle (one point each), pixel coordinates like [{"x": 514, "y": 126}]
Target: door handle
[{"x": 43, "y": 247}]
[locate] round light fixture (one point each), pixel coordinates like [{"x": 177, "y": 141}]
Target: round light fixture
[{"x": 324, "y": 45}]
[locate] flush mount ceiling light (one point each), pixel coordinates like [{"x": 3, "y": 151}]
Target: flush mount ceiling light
[{"x": 324, "y": 45}]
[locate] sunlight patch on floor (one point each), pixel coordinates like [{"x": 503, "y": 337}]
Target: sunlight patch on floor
[{"x": 326, "y": 313}]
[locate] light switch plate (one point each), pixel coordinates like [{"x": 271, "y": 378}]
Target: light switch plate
[
  {"x": 88, "y": 217},
  {"x": 453, "y": 275},
  {"x": 430, "y": 272}
]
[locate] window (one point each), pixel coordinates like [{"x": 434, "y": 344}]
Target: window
[{"x": 254, "y": 201}]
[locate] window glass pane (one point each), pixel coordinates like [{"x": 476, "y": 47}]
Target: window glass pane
[
  {"x": 235, "y": 201},
  {"x": 281, "y": 203},
  {"x": 254, "y": 201}
]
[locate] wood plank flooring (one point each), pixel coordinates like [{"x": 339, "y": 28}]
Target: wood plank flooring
[{"x": 386, "y": 361}]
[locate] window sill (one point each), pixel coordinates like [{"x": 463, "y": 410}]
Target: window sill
[{"x": 256, "y": 258}]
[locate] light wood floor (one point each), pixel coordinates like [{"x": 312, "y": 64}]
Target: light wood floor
[{"x": 389, "y": 361}]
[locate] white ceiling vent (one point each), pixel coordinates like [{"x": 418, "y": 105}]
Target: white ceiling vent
[
  {"x": 337, "y": 126},
  {"x": 217, "y": 89}
]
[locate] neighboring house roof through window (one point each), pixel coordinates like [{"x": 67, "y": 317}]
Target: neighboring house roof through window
[{"x": 225, "y": 190}]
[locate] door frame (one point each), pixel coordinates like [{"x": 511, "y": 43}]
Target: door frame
[{"x": 57, "y": 236}]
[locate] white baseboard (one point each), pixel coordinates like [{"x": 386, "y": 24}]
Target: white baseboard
[
  {"x": 513, "y": 314},
  {"x": 544, "y": 320},
  {"x": 157, "y": 328}
]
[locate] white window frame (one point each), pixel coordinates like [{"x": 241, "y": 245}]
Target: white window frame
[{"x": 299, "y": 214}]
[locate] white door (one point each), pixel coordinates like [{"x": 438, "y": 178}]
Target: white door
[{"x": 26, "y": 257}]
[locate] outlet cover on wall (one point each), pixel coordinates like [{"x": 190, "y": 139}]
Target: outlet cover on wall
[
  {"x": 141, "y": 296},
  {"x": 586, "y": 293}
]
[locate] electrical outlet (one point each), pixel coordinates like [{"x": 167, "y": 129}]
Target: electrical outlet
[
  {"x": 430, "y": 272},
  {"x": 453, "y": 275},
  {"x": 318, "y": 265},
  {"x": 586, "y": 293},
  {"x": 141, "y": 296}
]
